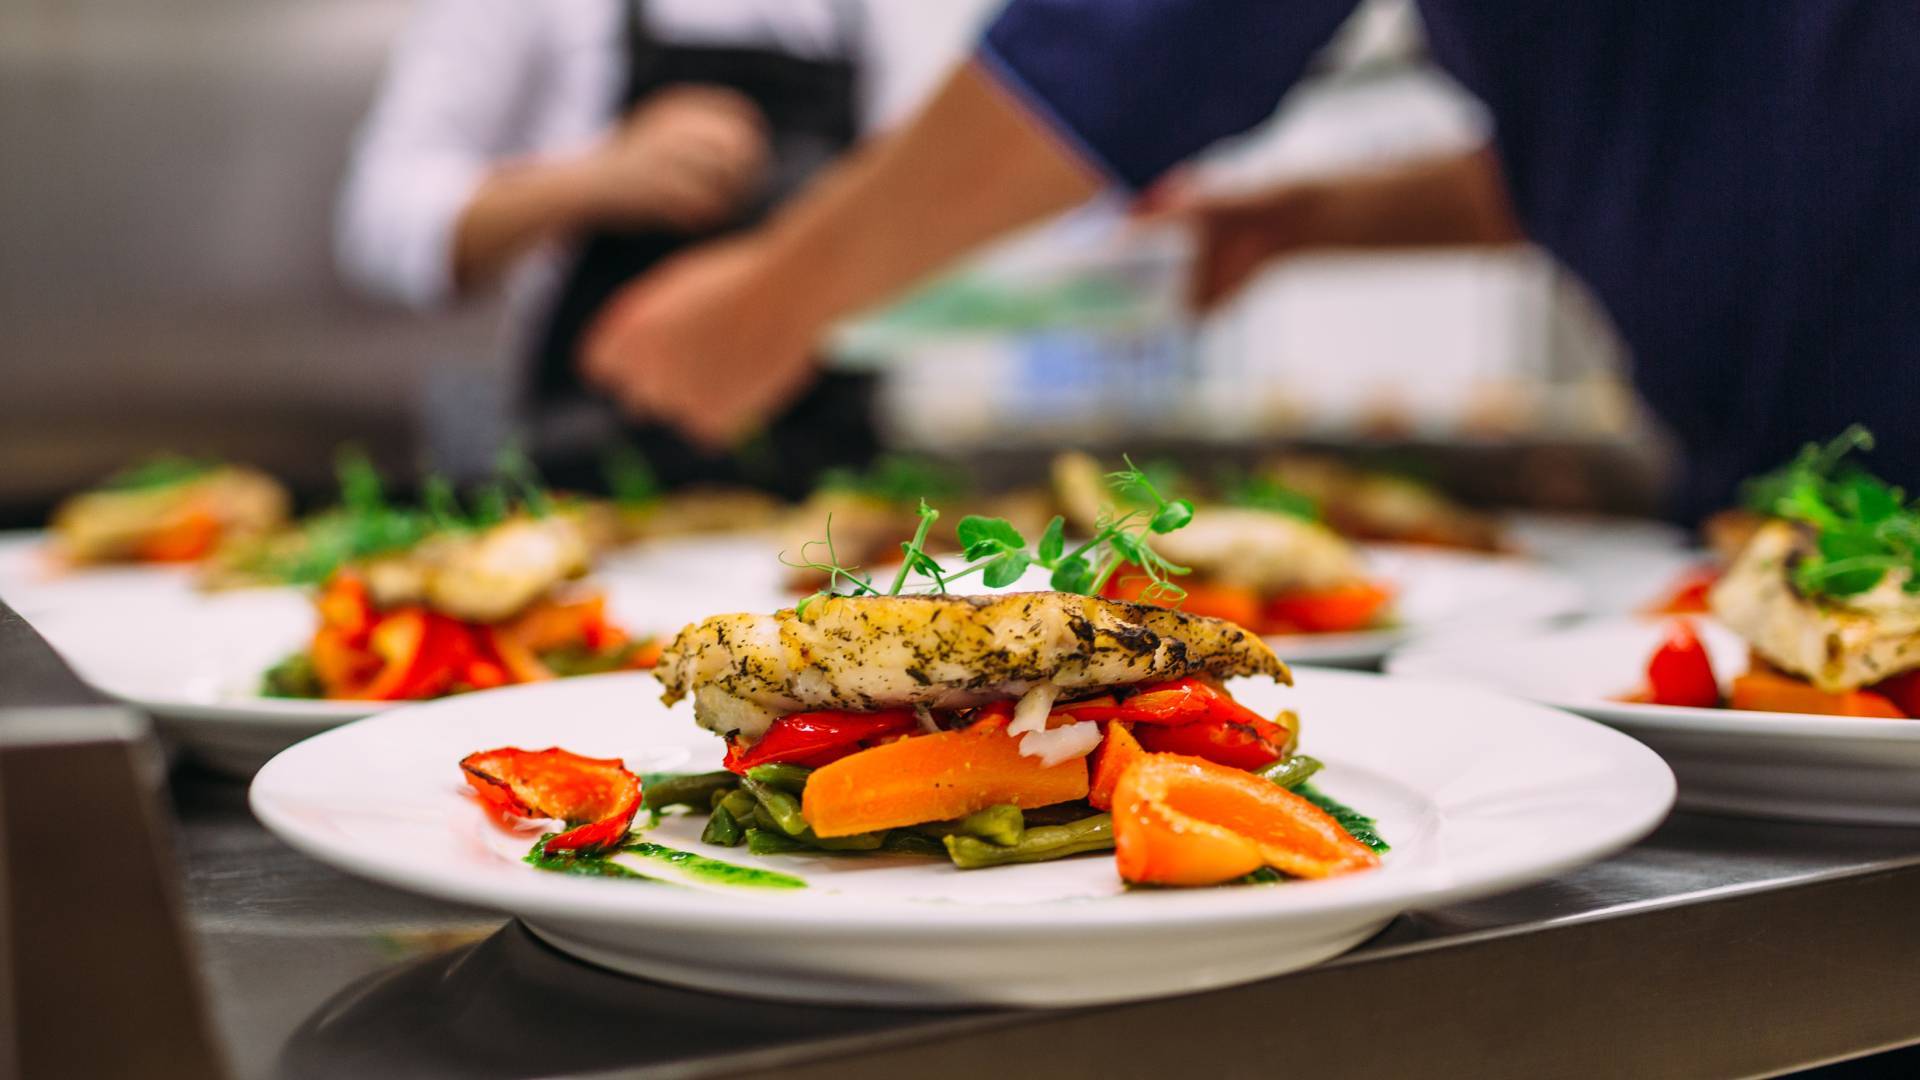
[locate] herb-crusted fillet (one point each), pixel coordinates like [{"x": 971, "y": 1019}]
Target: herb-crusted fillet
[
  {"x": 1836, "y": 643},
  {"x": 875, "y": 652}
]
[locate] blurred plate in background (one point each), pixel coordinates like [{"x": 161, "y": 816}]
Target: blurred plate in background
[
  {"x": 1442, "y": 591},
  {"x": 1758, "y": 764}
]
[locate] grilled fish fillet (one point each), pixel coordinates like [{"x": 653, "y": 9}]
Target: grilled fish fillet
[
  {"x": 485, "y": 577},
  {"x": 1836, "y": 645},
  {"x": 872, "y": 652}
]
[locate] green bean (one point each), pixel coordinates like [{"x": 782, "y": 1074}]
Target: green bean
[
  {"x": 722, "y": 829},
  {"x": 1038, "y": 845},
  {"x": 690, "y": 789},
  {"x": 740, "y": 804},
  {"x": 1002, "y": 824},
  {"x": 908, "y": 842},
  {"x": 772, "y": 842},
  {"x": 866, "y": 841},
  {"x": 782, "y": 807},
  {"x": 1291, "y": 772},
  {"x": 791, "y": 779}
]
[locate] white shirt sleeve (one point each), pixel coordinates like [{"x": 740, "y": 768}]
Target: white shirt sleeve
[{"x": 443, "y": 117}]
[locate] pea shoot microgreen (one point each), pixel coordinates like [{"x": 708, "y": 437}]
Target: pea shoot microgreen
[
  {"x": 630, "y": 478},
  {"x": 367, "y": 523},
  {"x": 165, "y": 470},
  {"x": 1863, "y": 527},
  {"x": 903, "y": 479},
  {"x": 1256, "y": 492},
  {"x": 1000, "y": 554}
]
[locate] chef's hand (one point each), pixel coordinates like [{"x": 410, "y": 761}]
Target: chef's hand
[
  {"x": 1234, "y": 235},
  {"x": 687, "y": 157},
  {"x": 708, "y": 342}
]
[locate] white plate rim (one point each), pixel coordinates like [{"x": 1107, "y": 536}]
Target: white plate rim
[
  {"x": 1431, "y": 659},
  {"x": 563, "y": 898}
]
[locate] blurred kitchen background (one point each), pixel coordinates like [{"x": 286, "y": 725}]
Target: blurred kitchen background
[{"x": 168, "y": 176}]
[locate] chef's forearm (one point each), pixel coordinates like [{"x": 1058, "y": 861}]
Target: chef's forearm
[
  {"x": 515, "y": 208},
  {"x": 1456, "y": 200},
  {"x": 971, "y": 166}
]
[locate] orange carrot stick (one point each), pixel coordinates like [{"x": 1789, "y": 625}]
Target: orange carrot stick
[
  {"x": 1768, "y": 691},
  {"x": 933, "y": 778}
]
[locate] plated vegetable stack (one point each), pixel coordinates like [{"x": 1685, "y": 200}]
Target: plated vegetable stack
[
  {"x": 988, "y": 730},
  {"x": 461, "y": 609},
  {"x": 169, "y": 509},
  {"x": 1262, "y": 560},
  {"x": 1826, "y": 592}
]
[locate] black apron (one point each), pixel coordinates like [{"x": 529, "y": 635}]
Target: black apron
[{"x": 810, "y": 107}]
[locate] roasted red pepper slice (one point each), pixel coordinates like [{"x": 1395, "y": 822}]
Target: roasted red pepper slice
[
  {"x": 1179, "y": 701},
  {"x": 596, "y": 797},
  {"x": 1680, "y": 672},
  {"x": 816, "y": 738},
  {"x": 1240, "y": 745},
  {"x": 422, "y": 654},
  {"x": 1341, "y": 609}
]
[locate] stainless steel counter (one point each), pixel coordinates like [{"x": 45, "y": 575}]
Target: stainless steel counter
[{"x": 1716, "y": 948}]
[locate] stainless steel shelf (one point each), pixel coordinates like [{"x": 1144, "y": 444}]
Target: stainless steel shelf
[{"x": 1718, "y": 947}]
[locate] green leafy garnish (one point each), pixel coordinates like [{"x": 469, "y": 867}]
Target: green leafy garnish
[
  {"x": 630, "y": 478},
  {"x": 163, "y": 471},
  {"x": 1863, "y": 527},
  {"x": 1001, "y": 554},
  {"x": 1266, "y": 493},
  {"x": 367, "y": 524},
  {"x": 902, "y": 479},
  {"x": 1358, "y": 825}
]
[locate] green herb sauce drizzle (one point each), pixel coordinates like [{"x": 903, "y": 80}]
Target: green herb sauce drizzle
[{"x": 686, "y": 863}]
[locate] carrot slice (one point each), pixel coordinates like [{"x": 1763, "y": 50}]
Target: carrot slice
[
  {"x": 935, "y": 777},
  {"x": 1767, "y": 691},
  {"x": 1187, "y": 821},
  {"x": 1117, "y": 751}
]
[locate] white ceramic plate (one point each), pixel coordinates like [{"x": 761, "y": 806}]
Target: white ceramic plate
[
  {"x": 1477, "y": 794},
  {"x": 1437, "y": 590},
  {"x": 194, "y": 660},
  {"x": 34, "y": 581},
  {"x": 1761, "y": 764}
]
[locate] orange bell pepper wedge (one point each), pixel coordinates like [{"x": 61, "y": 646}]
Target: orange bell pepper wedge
[
  {"x": 935, "y": 777},
  {"x": 346, "y": 607},
  {"x": 1116, "y": 753},
  {"x": 1768, "y": 691},
  {"x": 1187, "y": 821},
  {"x": 596, "y": 797}
]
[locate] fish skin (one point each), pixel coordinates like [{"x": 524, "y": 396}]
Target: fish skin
[{"x": 874, "y": 652}]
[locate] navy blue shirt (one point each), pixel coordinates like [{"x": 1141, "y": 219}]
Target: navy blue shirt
[{"x": 1738, "y": 182}]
